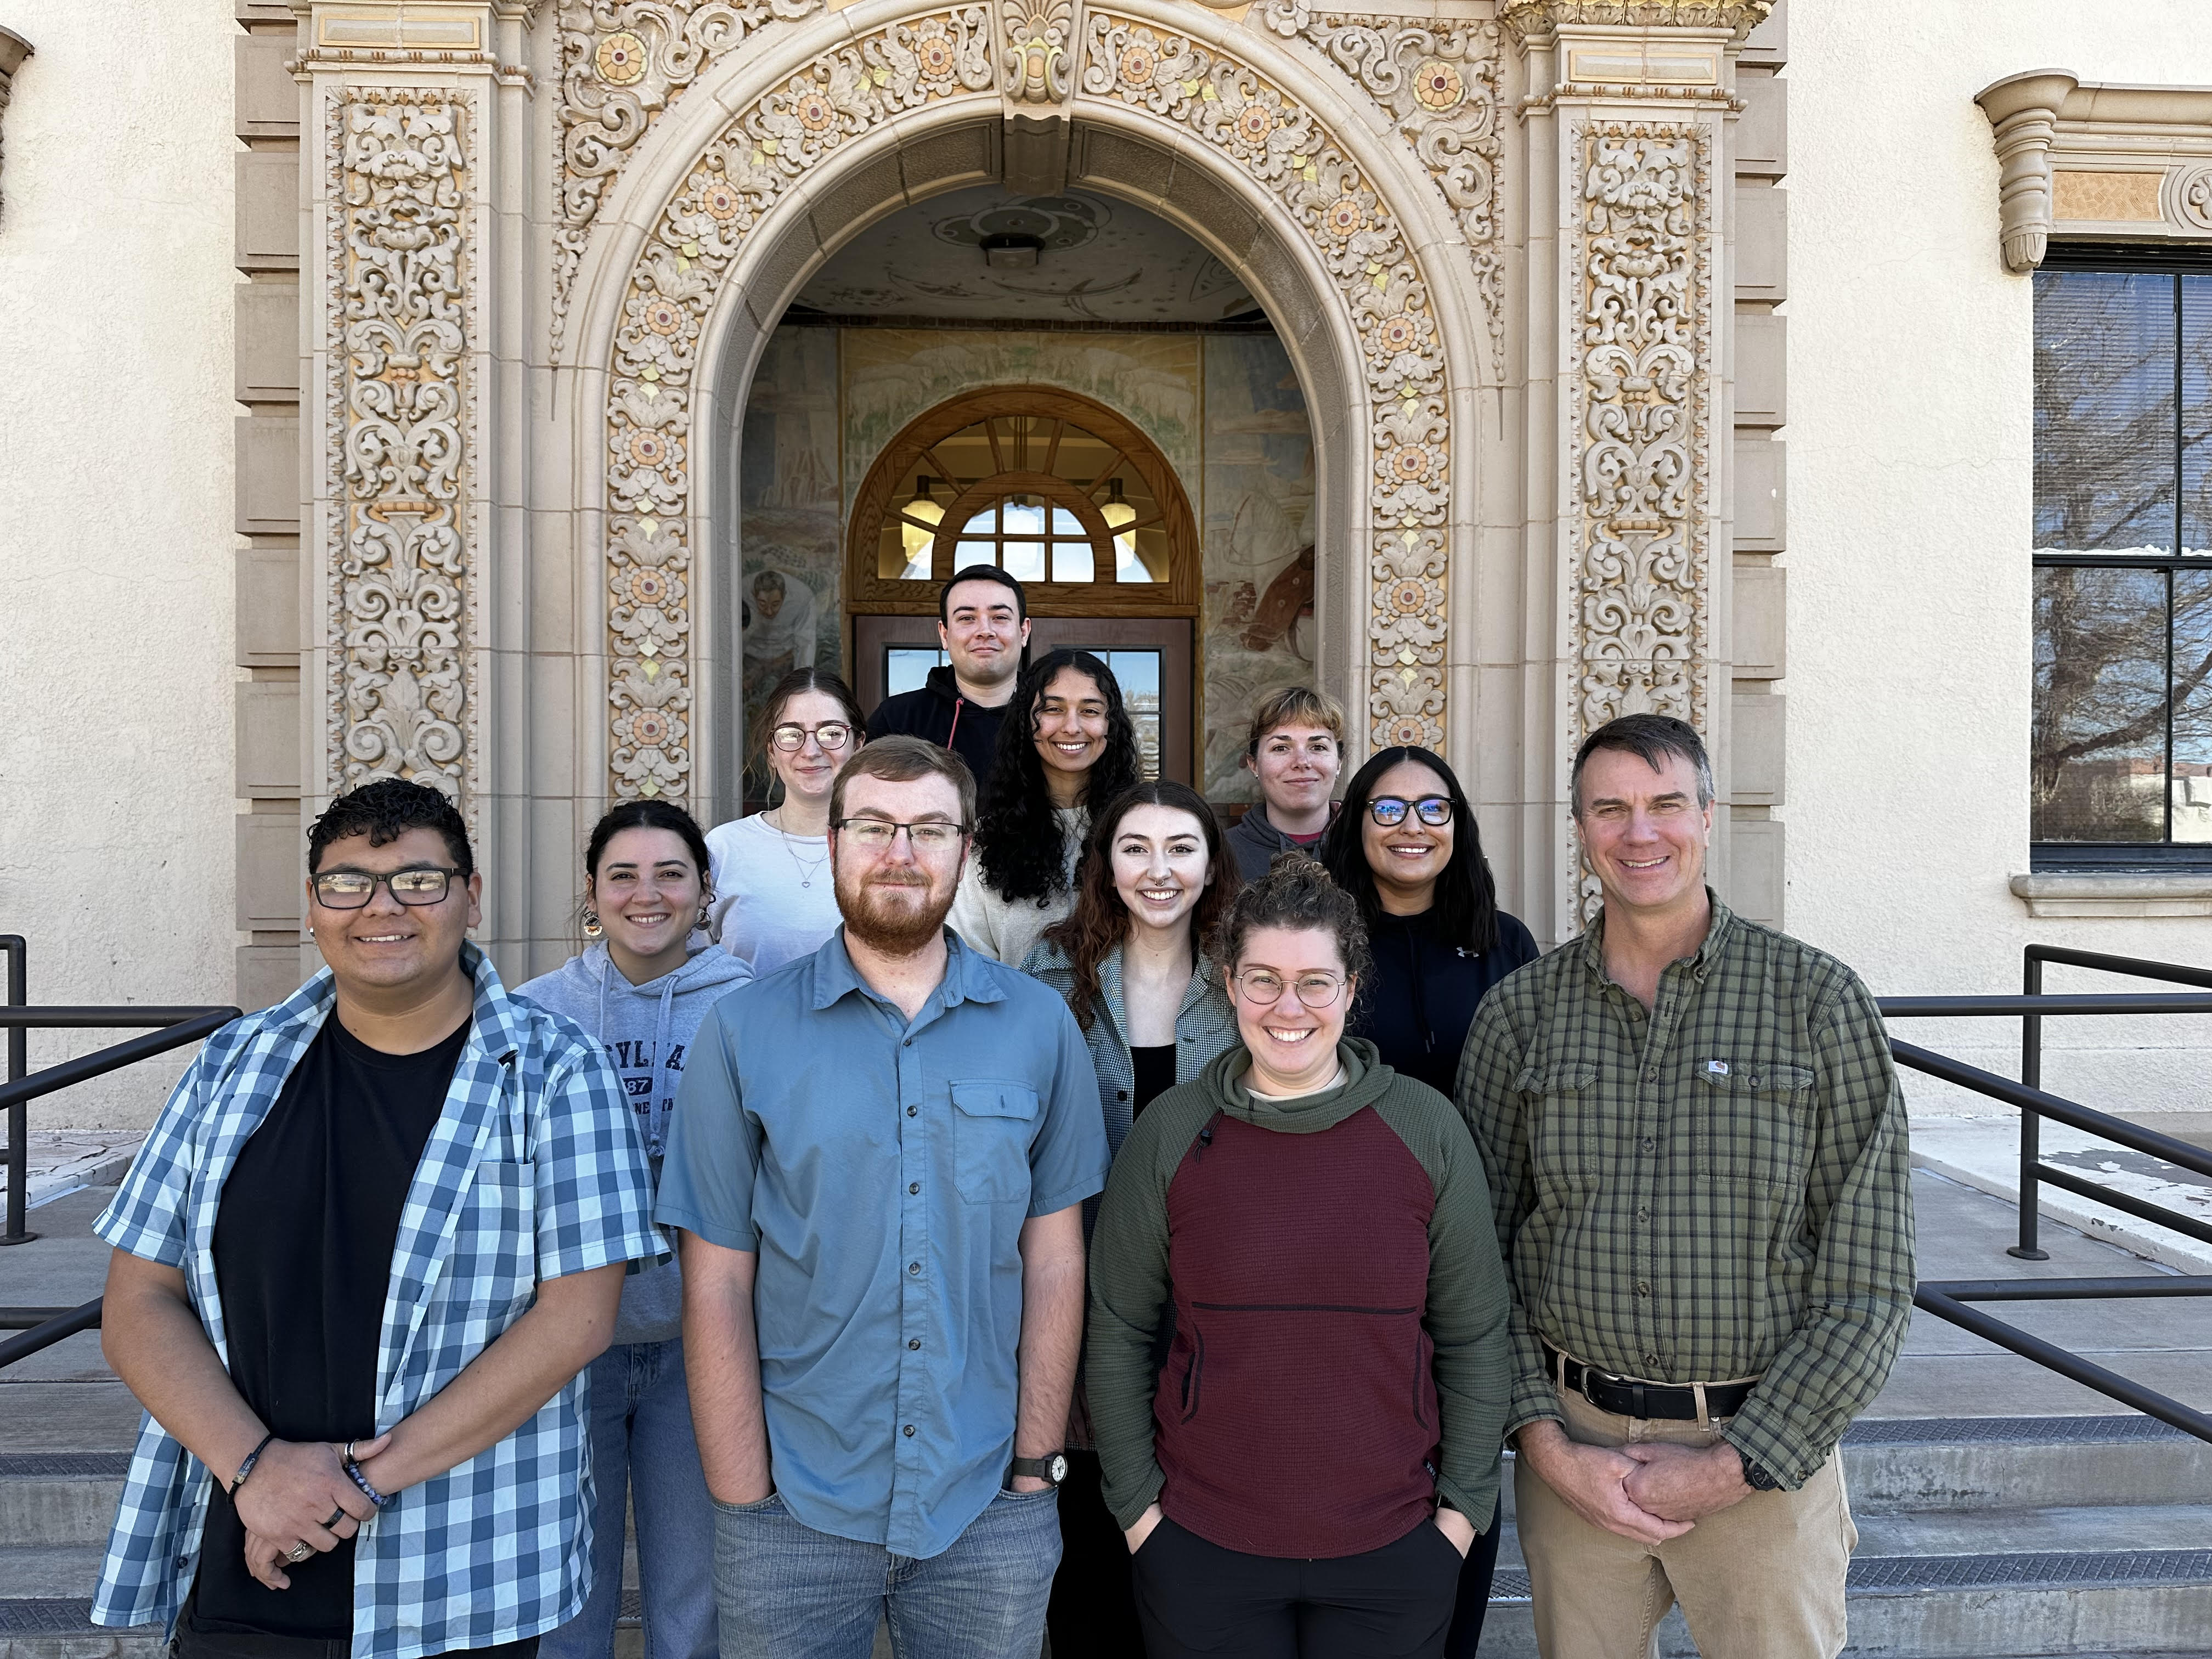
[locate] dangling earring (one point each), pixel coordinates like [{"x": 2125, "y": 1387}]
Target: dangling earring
[
  {"x": 701, "y": 922},
  {"x": 592, "y": 928}
]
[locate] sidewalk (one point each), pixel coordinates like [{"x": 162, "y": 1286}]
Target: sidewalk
[{"x": 63, "y": 1160}]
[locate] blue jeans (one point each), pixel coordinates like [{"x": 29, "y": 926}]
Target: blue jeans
[
  {"x": 642, "y": 1449},
  {"x": 789, "y": 1592}
]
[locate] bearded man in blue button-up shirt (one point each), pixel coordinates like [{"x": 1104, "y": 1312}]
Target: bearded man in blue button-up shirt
[{"x": 877, "y": 1166}]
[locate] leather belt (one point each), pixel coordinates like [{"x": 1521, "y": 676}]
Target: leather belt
[{"x": 1627, "y": 1396}]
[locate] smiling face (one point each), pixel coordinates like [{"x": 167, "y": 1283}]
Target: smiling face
[
  {"x": 1293, "y": 1048},
  {"x": 648, "y": 890},
  {"x": 1644, "y": 834},
  {"x": 385, "y": 945},
  {"x": 808, "y": 773},
  {"x": 1296, "y": 766},
  {"x": 1406, "y": 858},
  {"x": 983, "y": 632},
  {"x": 1160, "y": 865},
  {"x": 895, "y": 898},
  {"x": 1070, "y": 724}
]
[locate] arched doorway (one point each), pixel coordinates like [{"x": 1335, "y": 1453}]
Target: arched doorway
[{"x": 1067, "y": 496}]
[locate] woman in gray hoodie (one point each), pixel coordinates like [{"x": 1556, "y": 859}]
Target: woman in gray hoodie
[{"x": 641, "y": 990}]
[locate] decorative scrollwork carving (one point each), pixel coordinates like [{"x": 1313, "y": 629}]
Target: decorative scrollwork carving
[
  {"x": 623, "y": 63},
  {"x": 402, "y": 270},
  {"x": 1286, "y": 148},
  {"x": 1643, "y": 252},
  {"x": 1439, "y": 81},
  {"x": 1038, "y": 57},
  {"x": 1527, "y": 18}
]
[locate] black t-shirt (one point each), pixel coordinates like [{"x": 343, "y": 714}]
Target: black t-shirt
[
  {"x": 303, "y": 1245},
  {"x": 1154, "y": 1075}
]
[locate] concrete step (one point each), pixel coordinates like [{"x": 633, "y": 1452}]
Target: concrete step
[
  {"x": 1900, "y": 1464},
  {"x": 59, "y": 1499}
]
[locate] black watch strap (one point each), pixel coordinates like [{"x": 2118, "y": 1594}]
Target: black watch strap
[
  {"x": 1052, "y": 1466},
  {"x": 1755, "y": 1476}
]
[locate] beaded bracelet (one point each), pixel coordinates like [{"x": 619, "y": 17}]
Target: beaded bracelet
[
  {"x": 353, "y": 1470},
  {"x": 246, "y": 1467}
]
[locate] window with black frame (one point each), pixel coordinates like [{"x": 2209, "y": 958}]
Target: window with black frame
[{"x": 2121, "y": 737}]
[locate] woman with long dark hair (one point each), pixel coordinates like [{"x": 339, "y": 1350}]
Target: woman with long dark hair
[
  {"x": 641, "y": 990},
  {"x": 774, "y": 898},
  {"x": 1154, "y": 886},
  {"x": 1065, "y": 744},
  {"x": 1406, "y": 847}
]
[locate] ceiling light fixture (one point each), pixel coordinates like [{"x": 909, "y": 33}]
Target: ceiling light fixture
[{"x": 1010, "y": 250}]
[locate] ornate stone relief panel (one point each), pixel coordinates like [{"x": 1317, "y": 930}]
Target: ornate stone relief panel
[
  {"x": 623, "y": 63},
  {"x": 969, "y": 51},
  {"x": 1438, "y": 80},
  {"x": 2110, "y": 163},
  {"x": 401, "y": 263}
]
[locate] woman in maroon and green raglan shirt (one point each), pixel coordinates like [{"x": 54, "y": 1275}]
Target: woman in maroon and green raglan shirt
[{"x": 1300, "y": 1479}]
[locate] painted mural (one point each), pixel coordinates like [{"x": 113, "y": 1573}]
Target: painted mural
[
  {"x": 1257, "y": 634},
  {"x": 1225, "y": 409},
  {"x": 792, "y": 526}
]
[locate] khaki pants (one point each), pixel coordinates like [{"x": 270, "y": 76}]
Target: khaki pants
[{"x": 1761, "y": 1580}]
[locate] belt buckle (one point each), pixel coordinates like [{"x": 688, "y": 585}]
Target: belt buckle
[{"x": 1590, "y": 1371}]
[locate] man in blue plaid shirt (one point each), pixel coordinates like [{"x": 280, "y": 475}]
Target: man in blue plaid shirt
[{"x": 360, "y": 1266}]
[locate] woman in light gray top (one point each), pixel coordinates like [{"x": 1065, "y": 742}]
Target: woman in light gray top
[
  {"x": 1066, "y": 742},
  {"x": 774, "y": 899}
]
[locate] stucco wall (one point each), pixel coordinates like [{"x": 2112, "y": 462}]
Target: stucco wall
[
  {"x": 1910, "y": 503},
  {"x": 115, "y": 517}
]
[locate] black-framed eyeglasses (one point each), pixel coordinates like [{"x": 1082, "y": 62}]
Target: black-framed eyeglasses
[
  {"x": 350, "y": 890},
  {"x": 931, "y": 835},
  {"x": 1389, "y": 811},
  {"x": 832, "y": 735},
  {"x": 1263, "y": 987}
]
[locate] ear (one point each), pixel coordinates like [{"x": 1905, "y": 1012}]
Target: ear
[{"x": 476, "y": 898}]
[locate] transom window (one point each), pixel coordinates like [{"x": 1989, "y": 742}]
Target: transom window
[
  {"x": 1037, "y": 495},
  {"x": 2122, "y": 733}
]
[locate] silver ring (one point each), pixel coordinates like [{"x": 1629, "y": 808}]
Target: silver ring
[
  {"x": 298, "y": 1553},
  {"x": 351, "y": 1444}
]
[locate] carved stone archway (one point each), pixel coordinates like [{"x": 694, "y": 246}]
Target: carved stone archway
[{"x": 899, "y": 103}]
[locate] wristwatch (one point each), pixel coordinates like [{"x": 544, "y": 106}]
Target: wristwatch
[
  {"x": 1051, "y": 1468},
  {"x": 1755, "y": 1477}
]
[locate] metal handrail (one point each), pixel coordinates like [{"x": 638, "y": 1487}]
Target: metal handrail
[
  {"x": 177, "y": 1026},
  {"x": 58, "y": 1329}
]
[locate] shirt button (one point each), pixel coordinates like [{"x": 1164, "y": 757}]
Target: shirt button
[
  {"x": 909, "y": 1043},
  {"x": 1651, "y": 1359},
  {"x": 1651, "y": 1076},
  {"x": 914, "y": 1267},
  {"x": 911, "y": 1110},
  {"x": 909, "y": 1431},
  {"x": 914, "y": 1342},
  {"x": 1644, "y": 1215},
  {"x": 1648, "y": 1144},
  {"x": 1643, "y": 1290},
  {"x": 1120, "y": 1094},
  {"x": 913, "y": 1186}
]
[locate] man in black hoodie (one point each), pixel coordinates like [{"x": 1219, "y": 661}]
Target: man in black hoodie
[{"x": 984, "y": 622}]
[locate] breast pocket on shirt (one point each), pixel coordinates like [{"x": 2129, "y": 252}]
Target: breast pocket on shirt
[
  {"x": 991, "y": 1123},
  {"x": 1563, "y": 1132},
  {"x": 1755, "y": 1120},
  {"x": 493, "y": 1268}
]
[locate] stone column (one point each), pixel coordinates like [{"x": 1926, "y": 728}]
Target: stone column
[
  {"x": 414, "y": 181},
  {"x": 1625, "y": 126}
]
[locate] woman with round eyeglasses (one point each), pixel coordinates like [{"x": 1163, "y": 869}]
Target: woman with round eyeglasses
[
  {"x": 775, "y": 900},
  {"x": 1405, "y": 846},
  {"x": 1306, "y": 1236}
]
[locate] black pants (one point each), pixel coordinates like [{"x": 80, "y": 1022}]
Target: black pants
[
  {"x": 1474, "y": 1576},
  {"x": 1196, "y": 1598},
  {"x": 1093, "y": 1613}
]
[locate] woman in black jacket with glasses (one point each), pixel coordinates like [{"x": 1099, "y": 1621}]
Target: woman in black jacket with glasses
[{"x": 1405, "y": 846}]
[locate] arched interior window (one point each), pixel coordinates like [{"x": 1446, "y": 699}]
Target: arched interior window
[{"x": 1039, "y": 495}]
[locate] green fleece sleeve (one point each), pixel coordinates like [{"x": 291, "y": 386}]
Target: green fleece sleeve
[
  {"x": 1131, "y": 1301},
  {"x": 1469, "y": 1308}
]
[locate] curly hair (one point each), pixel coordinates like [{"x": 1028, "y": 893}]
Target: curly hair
[
  {"x": 1464, "y": 915},
  {"x": 1101, "y": 921},
  {"x": 1298, "y": 893},
  {"x": 385, "y": 809},
  {"x": 1018, "y": 841}
]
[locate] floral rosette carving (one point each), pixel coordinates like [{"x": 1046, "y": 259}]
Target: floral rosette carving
[
  {"x": 402, "y": 268},
  {"x": 1286, "y": 148},
  {"x": 623, "y": 63},
  {"x": 1037, "y": 58},
  {"x": 1439, "y": 81},
  {"x": 741, "y": 174}
]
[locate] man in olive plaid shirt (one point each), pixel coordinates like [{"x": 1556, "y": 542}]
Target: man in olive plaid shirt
[{"x": 1697, "y": 1154}]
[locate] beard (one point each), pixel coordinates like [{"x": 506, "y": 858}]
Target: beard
[{"x": 895, "y": 915}]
